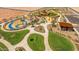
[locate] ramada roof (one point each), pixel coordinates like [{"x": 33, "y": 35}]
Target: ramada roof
[{"x": 64, "y": 24}]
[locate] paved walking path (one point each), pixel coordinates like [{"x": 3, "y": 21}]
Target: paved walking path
[
  {"x": 7, "y": 44},
  {"x": 24, "y": 43},
  {"x": 46, "y": 37}
]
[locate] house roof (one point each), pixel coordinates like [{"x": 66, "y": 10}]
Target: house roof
[{"x": 64, "y": 24}]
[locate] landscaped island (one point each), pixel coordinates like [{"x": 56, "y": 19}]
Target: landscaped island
[
  {"x": 36, "y": 42},
  {"x": 14, "y": 37},
  {"x": 59, "y": 43}
]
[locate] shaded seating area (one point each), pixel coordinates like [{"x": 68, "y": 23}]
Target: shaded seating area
[{"x": 66, "y": 26}]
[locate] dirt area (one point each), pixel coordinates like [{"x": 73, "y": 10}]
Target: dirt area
[
  {"x": 70, "y": 34},
  {"x": 11, "y": 13},
  {"x": 39, "y": 29},
  {"x": 25, "y": 8},
  {"x": 76, "y": 8},
  {"x": 6, "y": 12}
]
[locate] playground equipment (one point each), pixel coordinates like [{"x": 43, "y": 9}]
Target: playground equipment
[{"x": 15, "y": 24}]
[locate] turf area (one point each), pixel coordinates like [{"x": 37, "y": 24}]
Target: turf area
[
  {"x": 3, "y": 47},
  {"x": 59, "y": 43},
  {"x": 14, "y": 37},
  {"x": 36, "y": 42}
]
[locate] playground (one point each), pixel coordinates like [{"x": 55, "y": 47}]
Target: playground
[
  {"x": 16, "y": 23},
  {"x": 35, "y": 32}
]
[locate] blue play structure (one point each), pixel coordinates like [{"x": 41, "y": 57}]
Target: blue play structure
[
  {"x": 11, "y": 25},
  {"x": 17, "y": 27}
]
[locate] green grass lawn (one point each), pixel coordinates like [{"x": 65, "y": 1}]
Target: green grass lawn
[
  {"x": 59, "y": 43},
  {"x": 3, "y": 47},
  {"x": 36, "y": 42},
  {"x": 14, "y": 37}
]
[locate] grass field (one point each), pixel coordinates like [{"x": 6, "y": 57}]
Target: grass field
[
  {"x": 14, "y": 37},
  {"x": 59, "y": 43},
  {"x": 36, "y": 42},
  {"x": 3, "y": 47}
]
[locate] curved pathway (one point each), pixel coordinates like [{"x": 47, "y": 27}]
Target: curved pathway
[
  {"x": 46, "y": 37},
  {"x": 24, "y": 43},
  {"x": 7, "y": 44}
]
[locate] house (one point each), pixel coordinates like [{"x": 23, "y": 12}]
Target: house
[{"x": 66, "y": 26}]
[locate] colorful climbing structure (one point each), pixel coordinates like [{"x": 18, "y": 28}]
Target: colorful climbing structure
[{"x": 13, "y": 24}]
